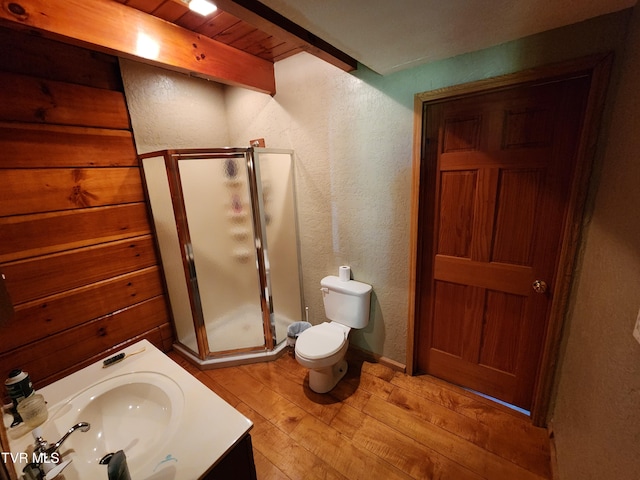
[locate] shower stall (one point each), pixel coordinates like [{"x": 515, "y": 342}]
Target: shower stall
[{"x": 225, "y": 222}]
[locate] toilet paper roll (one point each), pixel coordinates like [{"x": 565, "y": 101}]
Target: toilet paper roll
[{"x": 344, "y": 273}]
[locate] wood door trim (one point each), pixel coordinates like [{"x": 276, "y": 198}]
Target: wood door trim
[{"x": 598, "y": 68}]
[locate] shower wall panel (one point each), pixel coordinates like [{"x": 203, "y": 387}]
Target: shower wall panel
[
  {"x": 164, "y": 220},
  {"x": 278, "y": 197}
]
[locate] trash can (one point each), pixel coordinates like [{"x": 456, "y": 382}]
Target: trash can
[{"x": 295, "y": 329}]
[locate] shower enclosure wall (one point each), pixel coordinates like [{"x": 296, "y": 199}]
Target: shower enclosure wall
[{"x": 225, "y": 223}]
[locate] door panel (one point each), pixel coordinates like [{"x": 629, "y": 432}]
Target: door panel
[
  {"x": 449, "y": 300},
  {"x": 501, "y": 330},
  {"x": 518, "y": 197},
  {"x": 457, "y": 193},
  {"x": 492, "y": 223}
]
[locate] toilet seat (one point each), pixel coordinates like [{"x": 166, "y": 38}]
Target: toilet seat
[{"x": 321, "y": 341}]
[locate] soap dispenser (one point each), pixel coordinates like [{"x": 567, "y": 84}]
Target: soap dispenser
[{"x": 116, "y": 466}]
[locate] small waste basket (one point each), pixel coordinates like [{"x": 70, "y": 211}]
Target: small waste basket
[{"x": 295, "y": 329}]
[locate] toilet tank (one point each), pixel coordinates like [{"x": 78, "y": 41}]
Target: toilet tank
[{"x": 346, "y": 302}]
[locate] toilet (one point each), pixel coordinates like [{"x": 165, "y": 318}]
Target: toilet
[{"x": 322, "y": 348}]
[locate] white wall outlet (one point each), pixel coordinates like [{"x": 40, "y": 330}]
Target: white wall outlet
[{"x": 636, "y": 329}]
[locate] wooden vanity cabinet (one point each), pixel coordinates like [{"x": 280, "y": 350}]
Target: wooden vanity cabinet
[{"x": 237, "y": 464}]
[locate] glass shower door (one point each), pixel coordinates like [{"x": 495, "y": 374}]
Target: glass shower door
[{"x": 219, "y": 214}]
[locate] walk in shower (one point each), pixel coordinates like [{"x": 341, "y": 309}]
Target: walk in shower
[{"x": 225, "y": 222}]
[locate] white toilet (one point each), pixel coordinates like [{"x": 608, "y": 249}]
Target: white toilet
[{"x": 322, "y": 347}]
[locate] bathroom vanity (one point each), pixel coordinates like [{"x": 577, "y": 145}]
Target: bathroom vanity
[{"x": 169, "y": 425}]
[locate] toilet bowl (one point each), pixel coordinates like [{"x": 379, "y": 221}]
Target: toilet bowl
[{"x": 322, "y": 348}]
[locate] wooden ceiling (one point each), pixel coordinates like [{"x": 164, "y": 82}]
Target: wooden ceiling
[
  {"x": 237, "y": 45},
  {"x": 246, "y": 25},
  {"x": 220, "y": 26}
]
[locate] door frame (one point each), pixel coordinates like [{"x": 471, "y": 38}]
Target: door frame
[{"x": 598, "y": 68}]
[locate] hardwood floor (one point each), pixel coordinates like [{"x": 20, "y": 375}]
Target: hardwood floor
[{"x": 376, "y": 424}]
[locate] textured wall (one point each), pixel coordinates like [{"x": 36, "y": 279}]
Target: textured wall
[
  {"x": 172, "y": 110},
  {"x": 597, "y": 414},
  {"x": 353, "y": 169}
]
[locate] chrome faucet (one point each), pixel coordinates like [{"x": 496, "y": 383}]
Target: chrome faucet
[
  {"x": 46, "y": 454},
  {"x": 42, "y": 446}
]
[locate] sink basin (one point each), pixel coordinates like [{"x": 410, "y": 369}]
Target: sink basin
[
  {"x": 169, "y": 425},
  {"x": 136, "y": 412}
]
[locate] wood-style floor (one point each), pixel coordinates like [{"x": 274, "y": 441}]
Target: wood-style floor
[{"x": 376, "y": 424}]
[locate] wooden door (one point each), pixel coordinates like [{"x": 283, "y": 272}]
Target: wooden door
[{"x": 494, "y": 198}]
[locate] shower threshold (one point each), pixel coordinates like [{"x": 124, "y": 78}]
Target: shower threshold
[{"x": 233, "y": 360}]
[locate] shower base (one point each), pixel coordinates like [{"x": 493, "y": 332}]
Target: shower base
[
  {"x": 242, "y": 328},
  {"x": 233, "y": 360},
  {"x": 239, "y": 329}
]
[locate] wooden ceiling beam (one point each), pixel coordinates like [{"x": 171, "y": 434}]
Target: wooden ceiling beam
[
  {"x": 270, "y": 21},
  {"x": 113, "y": 28}
]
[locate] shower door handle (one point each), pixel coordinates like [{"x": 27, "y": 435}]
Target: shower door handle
[{"x": 188, "y": 251}]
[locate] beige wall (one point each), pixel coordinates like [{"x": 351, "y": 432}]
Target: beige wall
[
  {"x": 172, "y": 110},
  {"x": 597, "y": 413},
  {"x": 353, "y": 169}
]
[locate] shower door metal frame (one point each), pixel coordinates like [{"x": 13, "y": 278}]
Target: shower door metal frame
[{"x": 171, "y": 159}]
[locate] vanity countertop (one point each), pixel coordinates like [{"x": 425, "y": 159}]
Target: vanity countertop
[{"x": 206, "y": 430}]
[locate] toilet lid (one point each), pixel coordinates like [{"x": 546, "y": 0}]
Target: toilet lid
[{"x": 320, "y": 341}]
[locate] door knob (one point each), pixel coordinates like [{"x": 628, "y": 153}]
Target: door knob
[{"x": 539, "y": 286}]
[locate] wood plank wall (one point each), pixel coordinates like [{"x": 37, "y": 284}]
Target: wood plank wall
[{"x": 76, "y": 243}]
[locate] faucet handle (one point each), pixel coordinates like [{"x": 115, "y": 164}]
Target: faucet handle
[{"x": 41, "y": 444}]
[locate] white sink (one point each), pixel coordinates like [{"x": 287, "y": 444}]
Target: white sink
[
  {"x": 136, "y": 412},
  {"x": 169, "y": 425}
]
